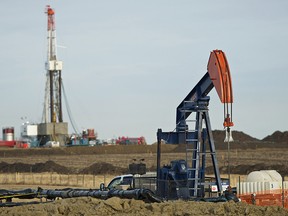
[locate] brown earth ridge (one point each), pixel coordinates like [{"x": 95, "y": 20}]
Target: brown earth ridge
[
  {"x": 247, "y": 154},
  {"x": 21, "y": 160}
]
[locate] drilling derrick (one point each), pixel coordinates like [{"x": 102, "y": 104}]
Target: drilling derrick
[
  {"x": 52, "y": 127},
  {"x": 52, "y": 105}
]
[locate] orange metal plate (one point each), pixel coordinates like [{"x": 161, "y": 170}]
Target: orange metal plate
[{"x": 219, "y": 73}]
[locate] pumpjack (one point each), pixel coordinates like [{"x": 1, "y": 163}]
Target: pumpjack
[{"x": 186, "y": 178}]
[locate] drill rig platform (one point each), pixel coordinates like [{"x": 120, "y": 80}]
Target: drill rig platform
[{"x": 52, "y": 127}]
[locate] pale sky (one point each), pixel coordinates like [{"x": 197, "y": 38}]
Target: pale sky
[{"x": 128, "y": 64}]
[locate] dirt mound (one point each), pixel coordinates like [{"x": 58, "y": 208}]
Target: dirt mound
[
  {"x": 84, "y": 150},
  {"x": 241, "y": 140},
  {"x": 103, "y": 168},
  {"x": 246, "y": 169},
  {"x": 117, "y": 206},
  {"x": 51, "y": 166},
  {"x": 48, "y": 166},
  {"x": 277, "y": 137},
  {"x": 238, "y": 136}
]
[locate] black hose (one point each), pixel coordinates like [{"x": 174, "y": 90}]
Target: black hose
[{"x": 138, "y": 194}]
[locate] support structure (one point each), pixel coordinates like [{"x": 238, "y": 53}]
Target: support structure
[
  {"x": 52, "y": 128},
  {"x": 196, "y": 132},
  {"x": 53, "y": 103}
]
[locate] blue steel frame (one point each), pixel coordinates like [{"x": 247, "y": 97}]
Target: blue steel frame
[{"x": 196, "y": 101}]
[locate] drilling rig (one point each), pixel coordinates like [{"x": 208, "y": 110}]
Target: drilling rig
[{"x": 52, "y": 128}]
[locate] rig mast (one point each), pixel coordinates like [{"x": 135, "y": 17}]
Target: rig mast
[
  {"x": 52, "y": 105},
  {"x": 52, "y": 128}
]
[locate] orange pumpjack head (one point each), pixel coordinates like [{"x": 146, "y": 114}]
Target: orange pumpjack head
[{"x": 219, "y": 73}]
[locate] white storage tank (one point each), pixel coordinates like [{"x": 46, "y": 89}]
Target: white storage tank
[
  {"x": 8, "y": 133},
  {"x": 261, "y": 182},
  {"x": 264, "y": 176}
]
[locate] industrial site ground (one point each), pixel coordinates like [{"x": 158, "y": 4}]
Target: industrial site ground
[{"x": 246, "y": 154}]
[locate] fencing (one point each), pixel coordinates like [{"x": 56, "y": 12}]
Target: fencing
[
  {"x": 268, "y": 198},
  {"x": 264, "y": 193},
  {"x": 54, "y": 179}
]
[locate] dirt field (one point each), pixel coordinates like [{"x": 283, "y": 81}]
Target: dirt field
[
  {"x": 116, "y": 206},
  {"x": 247, "y": 154}
]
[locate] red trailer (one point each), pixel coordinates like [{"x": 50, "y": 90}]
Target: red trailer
[{"x": 131, "y": 141}]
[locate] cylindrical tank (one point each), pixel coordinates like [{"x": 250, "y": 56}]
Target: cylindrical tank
[
  {"x": 8, "y": 134},
  {"x": 264, "y": 176}
]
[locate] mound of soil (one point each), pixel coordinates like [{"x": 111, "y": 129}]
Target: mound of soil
[
  {"x": 103, "y": 168},
  {"x": 84, "y": 150},
  {"x": 117, "y": 206},
  {"x": 51, "y": 166},
  {"x": 238, "y": 136},
  {"x": 107, "y": 168},
  {"x": 241, "y": 140},
  {"x": 246, "y": 169},
  {"x": 48, "y": 166},
  {"x": 277, "y": 137},
  {"x": 244, "y": 141}
]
